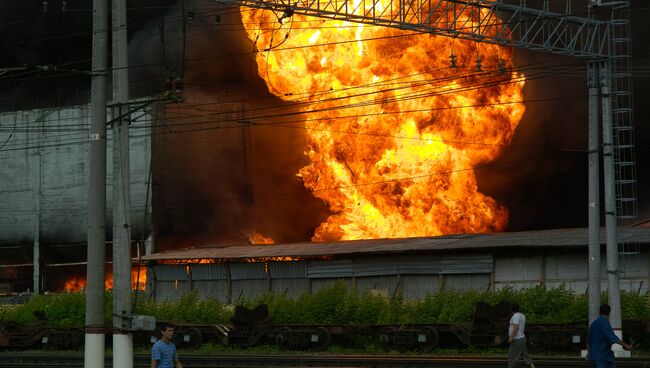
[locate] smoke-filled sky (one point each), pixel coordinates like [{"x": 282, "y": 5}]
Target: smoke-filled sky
[{"x": 546, "y": 188}]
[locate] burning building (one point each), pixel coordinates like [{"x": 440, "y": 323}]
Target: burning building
[{"x": 296, "y": 130}]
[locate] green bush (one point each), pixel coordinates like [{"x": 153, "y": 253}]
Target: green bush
[
  {"x": 635, "y": 306},
  {"x": 188, "y": 309},
  {"x": 62, "y": 310},
  {"x": 336, "y": 304}
]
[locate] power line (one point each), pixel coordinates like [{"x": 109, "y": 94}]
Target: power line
[
  {"x": 531, "y": 70},
  {"x": 212, "y": 11}
]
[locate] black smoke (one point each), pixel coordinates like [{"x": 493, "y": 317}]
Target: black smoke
[
  {"x": 542, "y": 176},
  {"x": 204, "y": 190}
]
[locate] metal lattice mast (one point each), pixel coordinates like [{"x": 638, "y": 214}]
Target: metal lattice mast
[
  {"x": 623, "y": 132},
  {"x": 489, "y": 21},
  {"x": 604, "y": 43},
  {"x": 622, "y": 113}
]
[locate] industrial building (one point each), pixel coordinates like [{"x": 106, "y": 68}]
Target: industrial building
[
  {"x": 44, "y": 188},
  {"x": 43, "y": 198},
  {"x": 43, "y": 227},
  {"x": 207, "y": 184},
  {"x": 410, "y": 268}
]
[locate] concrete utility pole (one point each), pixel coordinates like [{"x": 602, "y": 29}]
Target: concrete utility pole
[
  {"x": 122, "y": 306},
  {"x": 594, "y": 192},
  {"x": 37, "y": 255},
  {"x": 613, "y": 290},
  {"x": 95, "y": 270}
]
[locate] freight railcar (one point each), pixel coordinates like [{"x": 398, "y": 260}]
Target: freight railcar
[{"x": 253, "y": 327}]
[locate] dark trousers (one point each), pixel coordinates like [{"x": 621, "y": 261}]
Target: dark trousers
[{"x": 518, "y": 351}]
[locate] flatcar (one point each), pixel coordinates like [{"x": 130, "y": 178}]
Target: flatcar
[{"x": 253, "y": 327}]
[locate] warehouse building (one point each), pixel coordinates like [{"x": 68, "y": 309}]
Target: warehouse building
[
  {"x": 410, "y": 268},
  {"x": 43, "y": 207}
]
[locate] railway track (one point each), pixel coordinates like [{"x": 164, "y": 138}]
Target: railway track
[{"x": 75, "y": 359}]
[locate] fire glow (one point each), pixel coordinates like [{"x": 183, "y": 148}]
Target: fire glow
[
  {"x": 395, "y": 128},
  {"x": 138, "y": 281}
]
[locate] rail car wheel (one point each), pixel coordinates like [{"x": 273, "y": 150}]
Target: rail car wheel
[
  {"x": 282, "y": 338},
  {"x": 431, "y": 339},
  {"x": 320, "y": 339},
  {"x": 386, "y": 338},
  {"x": 48, "y": 340},
  {"x": 500, "y": 340},
  {"x": 190, "y": 337}
]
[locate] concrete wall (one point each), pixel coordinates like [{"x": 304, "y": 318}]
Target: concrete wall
[
  {"x": 44, "y": 190},
  {"x": 44, "y": 174}
]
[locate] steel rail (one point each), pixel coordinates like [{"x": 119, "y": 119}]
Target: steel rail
[{"x": 75, "y": 359}]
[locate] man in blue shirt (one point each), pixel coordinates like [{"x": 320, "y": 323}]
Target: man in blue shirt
[
  {"x": 600, "y": 339},
  {"x": 163, "y": 353}
]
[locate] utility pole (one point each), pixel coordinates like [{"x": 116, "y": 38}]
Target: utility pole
[
  {"x": 37, "y": 255},
  {"x": 613, "y": 289},
  {"x": 94, "y": 354},
  {"x": 594, "y": 192},
  {"x": 122, "y": 306}
]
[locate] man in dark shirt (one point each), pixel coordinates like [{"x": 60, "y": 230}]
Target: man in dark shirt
[{"x": 600, "y": 339}]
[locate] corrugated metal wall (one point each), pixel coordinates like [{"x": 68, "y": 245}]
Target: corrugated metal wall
[
  {"x": 419, "y": 286},
  {"x": 405, "y": 265},
  {"x": 412, "y": 277},
  {"x": 569, "y": 270},
  {"x": 385, "y": 285},
  {"x": 290, "y": 287},
  {"x": 318, "y": 284},
  {"x": 169, "y": 291},
  {"x": 408, "y": 276},
  {"x": 463, "y": 282}
]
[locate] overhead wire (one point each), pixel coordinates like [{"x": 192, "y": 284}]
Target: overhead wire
[
  {"x": 284, "y": 124},
  {"x": 321, "y": 101},
  {"x": 531, "y": 70},
  {"x": 316, "y": 45},
  {"x": 291, "y": 104}
]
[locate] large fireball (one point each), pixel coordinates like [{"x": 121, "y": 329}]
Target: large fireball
[{"x": 394, "y": 131}]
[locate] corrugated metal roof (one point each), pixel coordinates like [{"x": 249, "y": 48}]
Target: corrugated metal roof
[{"x": 541, "y": 238}]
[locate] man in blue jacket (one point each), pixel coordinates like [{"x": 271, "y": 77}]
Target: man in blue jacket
[{"x": 600, "y": 339}]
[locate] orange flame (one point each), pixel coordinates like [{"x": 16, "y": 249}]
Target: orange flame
[
  {"x": 138, "y": 281},
  {"x": 394, "y": 133},
  {"x": 256, "y": 238}
]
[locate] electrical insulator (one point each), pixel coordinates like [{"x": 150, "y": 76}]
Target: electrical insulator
[
  {"x": 44, "y": 3},
  {"x": 452, "y": 60},
  {"x": 64, "y": 4},
  {"x": 174, "y": 89},
  {"x": 190, "y": 16},
  {"x": 478, "y": 64},
  {"x": 287, "y": 13},
  {"x": 502, "y": 67}
]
